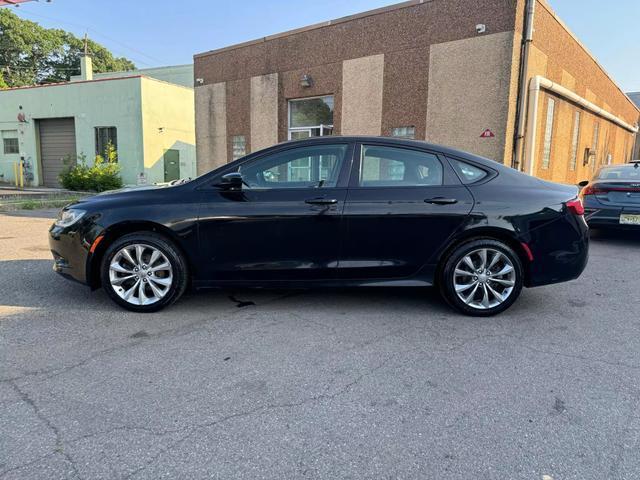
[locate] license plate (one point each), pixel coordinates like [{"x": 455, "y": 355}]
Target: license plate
[{"x": 627, "y": 219}]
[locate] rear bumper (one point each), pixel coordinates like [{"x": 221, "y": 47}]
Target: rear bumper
[
  {"x": 608, "y": 218},
  {"x": 560, "y": 251}
]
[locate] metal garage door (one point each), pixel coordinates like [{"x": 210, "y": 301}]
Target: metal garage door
[{"x": 57, "y": 140}]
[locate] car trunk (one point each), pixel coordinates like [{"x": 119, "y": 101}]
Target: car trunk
[{"x": 617, "y": 193}]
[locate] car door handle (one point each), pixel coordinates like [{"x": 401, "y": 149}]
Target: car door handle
[
  {"x": 441, "y": 201},
  {"x": 321, "y": 201}
]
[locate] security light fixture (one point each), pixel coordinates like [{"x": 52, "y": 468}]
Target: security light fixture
[
  {"x": 306, "y": 81},
  {"x": 481, "y": 28}
]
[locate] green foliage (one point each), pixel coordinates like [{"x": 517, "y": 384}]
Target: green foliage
[
  {"x": 103, "y": 175},
  {"x": 31, "y": 54}
]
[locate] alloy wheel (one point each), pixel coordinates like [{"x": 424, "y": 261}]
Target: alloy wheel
[
  {"x": 140, "y": 274},
  {"x": 484, "y": 278}
]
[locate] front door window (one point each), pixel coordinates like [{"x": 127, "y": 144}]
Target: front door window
[
  {"x": 310, "y": 117},
  {"x": 313, "y": 166}
]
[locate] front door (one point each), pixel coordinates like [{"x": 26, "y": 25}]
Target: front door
[
  {"x": 284, "y": 224},
  {"x": 402, "y": 207},
  {"x": 171, "y": 165}
]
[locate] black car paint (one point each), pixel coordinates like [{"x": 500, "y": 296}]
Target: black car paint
[{"x": 368, "y": 236}]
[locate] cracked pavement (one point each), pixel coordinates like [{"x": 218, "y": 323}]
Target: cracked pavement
[{"x": 317, "y": 384}]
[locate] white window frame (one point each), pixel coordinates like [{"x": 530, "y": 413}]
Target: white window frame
[
  {"x": 233, "y": 146},
  {"x": 309, "y": 128},
  {"x": 396, "y": 130},
  {"x": 548, "y": 133},
  {"x": 595, "y": 141},
  {"x": 575, "y": 139}
]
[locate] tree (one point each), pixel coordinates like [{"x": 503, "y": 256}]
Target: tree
[{"x": 31, "y": 54}]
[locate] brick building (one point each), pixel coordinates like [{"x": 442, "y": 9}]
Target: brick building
[{"x": 504, "y": 79}]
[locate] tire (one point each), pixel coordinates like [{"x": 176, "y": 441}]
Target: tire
[
  {"x": 139, "y": 287},
  {"x": 465, "y": 291}
]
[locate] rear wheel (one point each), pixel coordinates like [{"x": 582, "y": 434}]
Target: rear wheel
[
  {"x": 143, "y": 272},
  {"x": 482, "y": 277}
]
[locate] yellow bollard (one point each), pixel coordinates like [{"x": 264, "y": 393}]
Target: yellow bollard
[
  {"x": 21, "y": 175},
  {"x": 15, "y": 172}
]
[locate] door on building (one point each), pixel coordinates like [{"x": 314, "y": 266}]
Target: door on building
[
  {"x": 171, "y": 165},
  {"x": 57, "y": 148}
]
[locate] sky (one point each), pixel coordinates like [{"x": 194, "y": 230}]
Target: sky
[{"x": 162, "y": 32}]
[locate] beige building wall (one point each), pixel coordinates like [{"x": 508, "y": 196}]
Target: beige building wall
[
  {"x": 362, "y": 87},
  {"x": 211, "y": 126},
  {"x": 558, "y": 55},
  {"x": 264, "y": 111},
  {"x": 469, "y": 84}
]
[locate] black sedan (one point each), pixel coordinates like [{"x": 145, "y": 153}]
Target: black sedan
[
  {"x": 612, "y": 197},
  {"x": 331, "y": 211}
]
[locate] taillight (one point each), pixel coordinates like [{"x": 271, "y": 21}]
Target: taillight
[
  {"x": 576, "y": 207},
  {"x": 588, "y": 190}
]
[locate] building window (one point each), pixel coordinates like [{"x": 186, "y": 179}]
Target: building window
[
  {"x": 107, "y": 142},
  {"x": 10, "y": 146},
  {"x": 626, "y": 149},
  {"x": 574, "y": 141},
  {"x": 596, "y": 138},
  {"x": 239, "y": 146},
  {"x": 310, "y": 117},
  {"x": 404, "y": 132},
  {"x": 548, "y": 134}
]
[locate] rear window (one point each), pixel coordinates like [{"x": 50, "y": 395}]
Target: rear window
[
  {"x": 620, "y": 172},
  {"x": 468, "y": 173}
]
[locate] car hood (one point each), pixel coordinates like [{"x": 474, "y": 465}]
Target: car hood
[
  {"x": 133, "y": 188},
  {"x": 126, "y": 195}
]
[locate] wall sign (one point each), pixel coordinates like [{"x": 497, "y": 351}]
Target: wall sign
[{"x": 487, "y": 134}]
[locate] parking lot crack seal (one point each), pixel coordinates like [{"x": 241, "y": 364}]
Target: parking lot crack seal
[{"x": 59, "y": 442}]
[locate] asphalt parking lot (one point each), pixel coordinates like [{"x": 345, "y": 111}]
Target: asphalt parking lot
[{"x": 317, "y": 384}]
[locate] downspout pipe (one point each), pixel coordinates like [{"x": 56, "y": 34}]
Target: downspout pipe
[
  {"x": 537, "y": 83},
  {"x": 530, "y": 11}
]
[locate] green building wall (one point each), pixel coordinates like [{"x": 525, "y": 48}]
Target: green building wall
[{"x": 139, "y": 107}]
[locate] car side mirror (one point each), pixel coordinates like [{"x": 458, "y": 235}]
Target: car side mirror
[
  {"x": 583, "y": 183},
  {"x": 231, "y": 181}
]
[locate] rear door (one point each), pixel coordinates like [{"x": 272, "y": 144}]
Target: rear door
[{"x": 402, "y": 206}]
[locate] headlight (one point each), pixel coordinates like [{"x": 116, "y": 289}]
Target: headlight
[{"x": 67, "y": 218}]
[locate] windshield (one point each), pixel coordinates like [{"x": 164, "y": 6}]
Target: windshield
[{"x": 620, "y": 172}]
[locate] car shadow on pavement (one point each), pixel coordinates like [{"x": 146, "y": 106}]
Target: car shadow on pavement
[
  {"x": 32, "y": 284},
  {"x": 623, "y": 238}
]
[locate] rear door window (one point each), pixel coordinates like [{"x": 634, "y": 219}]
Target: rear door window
[
  {"x": 382, "y": 166},
  {"x": 468, "y": 173}
]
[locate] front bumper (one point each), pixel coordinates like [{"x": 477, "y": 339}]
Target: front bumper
[{"x": 70, "y": 252}]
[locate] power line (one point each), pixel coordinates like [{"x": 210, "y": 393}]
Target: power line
[{"x": 96, "y": 32}]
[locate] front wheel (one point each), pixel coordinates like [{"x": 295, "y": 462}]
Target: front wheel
[
  {"x": 482, "y": 277},
  {"x": 143, "y": 272}
]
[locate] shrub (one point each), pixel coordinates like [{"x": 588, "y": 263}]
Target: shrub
[{"x": 103, "y": 175}]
